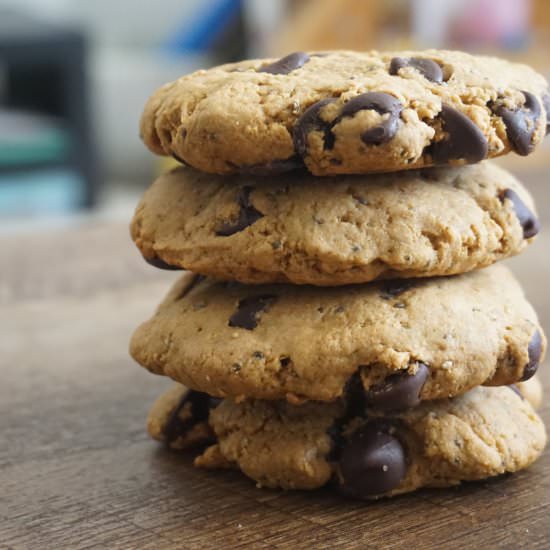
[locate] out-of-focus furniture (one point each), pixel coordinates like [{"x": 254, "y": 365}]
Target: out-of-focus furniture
[{"x": 44, "y": 73}]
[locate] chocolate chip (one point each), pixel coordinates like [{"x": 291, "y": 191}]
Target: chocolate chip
[
  {"x": 247, "y": 215},
  {"x": 521, "y": 123},
  {"x": 200, "y": 405},
  {"x": 535, "y": 352},
  {"x": 155, "y": 261},
  {"x": 527, "y": 219},
  {"x": 354, "y": 397},
  {"x": 286, "y": 64},
  {"x": 426, "y": 67},
  {"x": 515, "y": 389},
  {"x": 310, "y": 121},
  {"x": 391, "y": 289},
  {"x": 372, "y": 462},
  {"x": 336, "y": 440},
  {"x": 274, "y": 167},
  {"x": 464, "y": 140},
  {"x": 546, "y": 103},
  {"x": 354, "y": 407},
  {"x": 398, "y": 391},
  {"x": 381, "y": 103},
  {"x": 248, "y": 311}
]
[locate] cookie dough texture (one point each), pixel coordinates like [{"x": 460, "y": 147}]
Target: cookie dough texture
[
  {"x": 333, "y": 231},
  {"x": 241, "y": 117},
  {"x": 306, "y": 343},
  {"x": 483, "y": 433}
]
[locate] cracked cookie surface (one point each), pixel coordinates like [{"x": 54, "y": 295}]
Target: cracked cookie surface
[
  {"x": 366, "y": 453},
  {"x": 337, "y": 230},
  {"x": 400, "y": 341},
  {"x": 347, "y": 112}
]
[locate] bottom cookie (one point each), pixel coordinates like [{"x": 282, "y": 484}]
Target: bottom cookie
[{"x": 364, "y": 454}]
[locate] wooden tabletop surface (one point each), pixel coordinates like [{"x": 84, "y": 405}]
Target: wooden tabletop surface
[{"x": 77, "y": 469}]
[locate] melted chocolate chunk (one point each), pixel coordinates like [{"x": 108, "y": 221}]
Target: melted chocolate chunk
[
  {"x": 381, "y": 103},
  {"x": 398, "y": 391},
  {"x": 521, "y": 123},
  {"x": 200, "y": 405},
  {"x": 286, "y": 64},
  {"x": 393, "y": 288},
  {"x": 248, "y": 311},
  {"x": 527, "y": 219},
  {"x": 465, "y": 141},
  {"x": 426, "y": 67},
  {"x": 155, "y": 261},
  {"x": 274, "y": 167},
  {"x": 373, "y": 462},
  {"x": 535, "y": 352},
  {"x": 354, "y": 398},
  {"x": 310, "y": 121},
  {"x": 546, "y": 103},
  {"x": 247, "y": 215},
  {"x": 354, "y": 406}
]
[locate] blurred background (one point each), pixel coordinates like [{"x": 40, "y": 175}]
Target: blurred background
[{"x": 74, "y": 77}]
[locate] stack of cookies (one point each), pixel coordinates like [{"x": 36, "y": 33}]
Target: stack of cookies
[{"x": 342, "y": 321}]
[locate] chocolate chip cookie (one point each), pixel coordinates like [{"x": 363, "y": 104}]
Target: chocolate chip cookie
[
  {"x": 398, "y": 342},
  {"x": 365, "y": 453},
  {"x": 179, "y": 417},
  {"x": 336, "y": 230},
  {"x": 347, "y": 112}
]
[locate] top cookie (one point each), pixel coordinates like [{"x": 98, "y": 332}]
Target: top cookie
[{"x": 346, "y": 112}]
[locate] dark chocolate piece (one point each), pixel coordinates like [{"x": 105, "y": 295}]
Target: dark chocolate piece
[
  {"x": 465, "y": 141},
  {"x": 247, "y": 215},
  {"x": 535, "y": 352},
  {"x": 200, "y": 405},
  {"x": 155, "y": 261},
  {"x": 398, "y": 391},
  {"x": 521, "y": 123},
  {"x": 381, "y": 103},
  {"x": 248, "y": 311},
  {"x": 426, "y": 67},
  {"x": 373, "y": 462},
  {"x": 527, "y": 219},
  {"x": 286, "y": 64},
  {"x": 308, "y": 122}
]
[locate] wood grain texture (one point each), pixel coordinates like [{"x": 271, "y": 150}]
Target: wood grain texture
[{"x": 77, "y": 469}]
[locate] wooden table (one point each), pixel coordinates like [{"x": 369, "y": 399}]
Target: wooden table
[{"x": 77, "y": 469}]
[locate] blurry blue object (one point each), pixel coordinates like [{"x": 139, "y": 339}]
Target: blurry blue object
[
  {"x": 201, "y": 31},
  {"x": 44, "y": 192}
]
